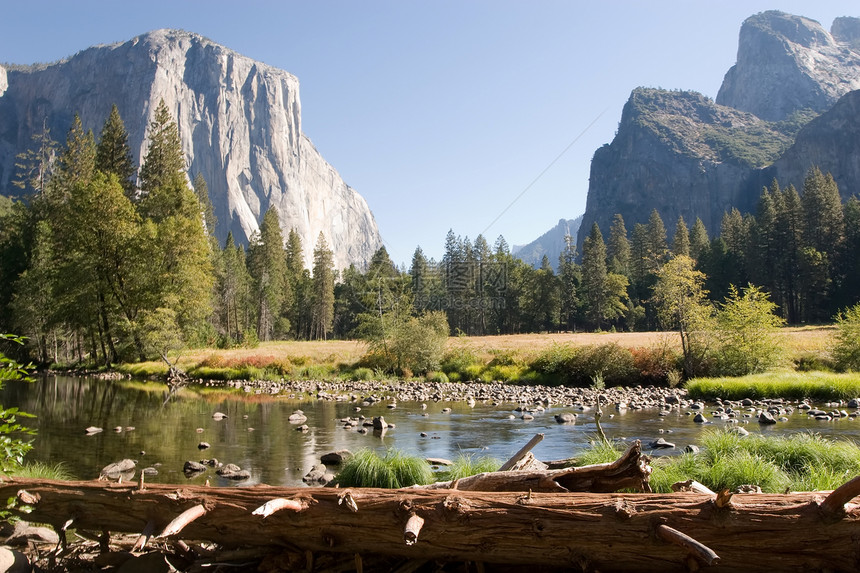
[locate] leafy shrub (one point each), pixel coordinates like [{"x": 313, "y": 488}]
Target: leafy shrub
[
  {"x": 393, "y": 470},
  {"x": 745, "y": 330},
  {"x": 362, "y": 374},
  {"x": 457, "y": 359},
  {"x": 810, "y": 362},
  {"x": 502, "y": 373},
  {"x": 846, "y": 348},
  {"x": 437, "y": 377},
  {"x": 654, "y": 364}
]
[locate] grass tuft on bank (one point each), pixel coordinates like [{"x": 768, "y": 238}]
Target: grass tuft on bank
[
  {"x": 778, "y": 384},
  {"x": 796, "y": 462}
]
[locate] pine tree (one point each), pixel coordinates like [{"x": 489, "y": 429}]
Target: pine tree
[
  {"x": 323, "y": 290},
  {"x": 77, "y": 162},
  {"x": 699, "y": 241},
  {"x": 113, "y": 155},
  {"x": 681, "y": 239},
  {"x": 570, "y": 277},
  {"x": 594, "y": 277},
  {"x": 658, "y": 249},
  {"x": 268, "y": 267},
  {"x": 618, "y": 247},
  {"x": 164, "y": 160}
]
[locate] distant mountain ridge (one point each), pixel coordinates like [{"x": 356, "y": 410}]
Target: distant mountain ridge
[
  {"x": 686, "y": 155},
  {"x": 551, "y": 244},
  {"x": 239, "y": 120}
]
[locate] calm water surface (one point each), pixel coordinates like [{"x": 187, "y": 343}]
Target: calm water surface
[{"x": 257, "y": 436}]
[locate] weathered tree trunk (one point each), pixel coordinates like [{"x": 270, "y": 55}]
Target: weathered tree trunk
[
  {"x": 630, "y": 471},
  {"x": 581, "y": 531}
]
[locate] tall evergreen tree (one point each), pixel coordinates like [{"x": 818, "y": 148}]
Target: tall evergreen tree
[
  {"x": 699, "y": 241},
  {"x": 603, "y": 298},
  {"x": 570, "y": 278},
  {"x": 164, "y": 160},
  {"x": 268, "y": 267},
  {"x": 323, "y": 289},
  {"x": 113, "y": 155},
  {"x": 618, "y": 247},
  {"x": 658, "y": 249},
  {"x": 681, "y": 238}
]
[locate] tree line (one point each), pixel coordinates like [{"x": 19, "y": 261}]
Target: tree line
[{"x": 107, "y": 262}]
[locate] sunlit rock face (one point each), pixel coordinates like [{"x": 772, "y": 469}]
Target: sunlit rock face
[
  {"x": 684, "y": 154},
  {"x": 239, "y": 120},
  {"x": 788, "y": 63}
]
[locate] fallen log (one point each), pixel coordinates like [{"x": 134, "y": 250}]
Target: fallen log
[
  {"x": 630, "y": 471},
  {"x": 581, "y": 531}
]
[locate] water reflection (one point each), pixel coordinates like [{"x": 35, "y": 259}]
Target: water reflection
[{"x": 257, "y": 436}]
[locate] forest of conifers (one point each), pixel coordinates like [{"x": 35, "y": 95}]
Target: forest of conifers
[{"x": 103, "y": 262}]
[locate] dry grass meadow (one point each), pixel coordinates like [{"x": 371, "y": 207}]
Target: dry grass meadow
[{"x": 796, "y": 341}]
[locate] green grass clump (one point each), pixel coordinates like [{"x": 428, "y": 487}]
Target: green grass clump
[
  {"x": 778, "y": 384},
  {"x": 465, "y": 466},
  {"x": 144, "y": 369},
  {"x": 41, "y": 470},
  {"x": 362, "y": 374},
  {"x": 392, "y": 471},
  {"x": 796, "y": 462},
  {"x": 600, "y": 452},
  {"x": 799, "y": 462}
]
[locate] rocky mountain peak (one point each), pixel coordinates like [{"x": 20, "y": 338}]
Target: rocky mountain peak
[
  {"x": 239, "y": 120},
  {"x": 846, "y": 30},
  {"x": 777, "y": 50}
]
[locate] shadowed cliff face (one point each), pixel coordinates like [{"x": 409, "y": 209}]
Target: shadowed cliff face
[
  {"x": 787, "y": 63},
  {"x": 683, "y": 154},
  {"x": 240, "y": 123}
]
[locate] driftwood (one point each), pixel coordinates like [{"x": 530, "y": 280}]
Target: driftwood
[
  {"x": 579, "y": 531},
  {"x": 630, "y": 471}
]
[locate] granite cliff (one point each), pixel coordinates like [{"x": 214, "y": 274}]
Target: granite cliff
[
  {"x": 687, "y": 155},
  {"x": 240, "y": 123}
]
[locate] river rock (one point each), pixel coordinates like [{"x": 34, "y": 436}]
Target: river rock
[
  {"x": 700, "y": 419},
  {"x": 766, "y": 418},
  {"x": 661, "y": 444},
  {"x": 219, "y": 416},
  {"x": 335, "y": 458},
  {"x": 191, "y": 469},
  {"x": 566, "y": 418},
  {"x": 298, "y": 417},
  {"x": 303, "y": 428},
  {"x": 203, "y": 446},
  {"x": 439, "y": 462},
  {"x": 379, "y": 423},
  {"x": 12, "y": 561},
  {"x": 23, "y": 533},
  {"x": 232, "y": 471},
  {"x": 319, "y": 474},
  {"x": 121, "y": 469},
  {"x": 692, "y": 449},
  {"x": 92, "y": 430}
]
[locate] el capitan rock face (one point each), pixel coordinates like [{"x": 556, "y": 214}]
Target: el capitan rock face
[
  {"x": 685, "y": 154},
  {"x": 239, "y": 120}
]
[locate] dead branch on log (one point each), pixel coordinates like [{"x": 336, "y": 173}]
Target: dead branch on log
[
  {"x": 699, "y": 550},
  {"x": 839, "y": 497},
  {"x": 509, "y": 465},
  {"x": 630, "y": 471},
  {"x": 183, "y": 520},
  {"x": 278, "y": 504},
  {"x": 412, "y": 529}
]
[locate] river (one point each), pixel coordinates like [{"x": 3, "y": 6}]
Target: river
[{"x": 139, "y": 424}]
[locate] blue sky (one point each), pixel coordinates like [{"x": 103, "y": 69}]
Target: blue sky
[{"x": 442, "y": 113}]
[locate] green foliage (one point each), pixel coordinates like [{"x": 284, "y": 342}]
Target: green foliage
[
  {"x": 778, "y": 384},
  {"x": 413, "y": 343},
  {"x": 746, "y": 326},
  {"x": 465, "y": 466},
  {"x": 578, "y": 366},
  {"x": 437, "y": 377},
  {"x": 393, "y": 470},
  {"x": 12, "y": 447},
  {"x": 846, "y": 340},
  {"x": 458, "y": 359}
]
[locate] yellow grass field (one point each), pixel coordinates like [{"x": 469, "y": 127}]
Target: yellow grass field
[{"x": 796, "y": 340}]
